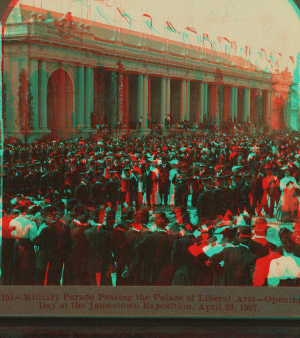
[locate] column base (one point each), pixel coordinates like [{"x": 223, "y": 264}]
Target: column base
[
  {"x": 32, "y": 135},
  {"x": 142, "y": 131}
]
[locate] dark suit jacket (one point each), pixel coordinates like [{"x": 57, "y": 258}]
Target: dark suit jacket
[
  {"x": 147, "y": 251},
  {"x": 147, "y": 182},
  {"x": 82, "y": 193},
  {"x": 99, "y": 253},
  {"x": 238, "y": 265}
]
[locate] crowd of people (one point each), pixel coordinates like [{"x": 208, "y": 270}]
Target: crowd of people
[{"x": 89, "y": 212}]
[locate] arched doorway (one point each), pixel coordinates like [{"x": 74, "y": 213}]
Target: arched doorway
[{"x": 60, "y": 103}]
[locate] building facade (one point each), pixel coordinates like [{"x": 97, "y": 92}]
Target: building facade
[{"x": 63, "y": 76}]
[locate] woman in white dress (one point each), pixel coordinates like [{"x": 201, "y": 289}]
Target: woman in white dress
[
  {"x": 155, "y": 175},
  {"x": 172, "y": 173},
  {"x": 290, "y": 203}
]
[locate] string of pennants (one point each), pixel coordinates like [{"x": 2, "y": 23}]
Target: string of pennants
[{"x": 230, "y": 47}]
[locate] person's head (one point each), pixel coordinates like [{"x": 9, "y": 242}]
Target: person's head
[
  {"x": 181, "y": 215},
  {"x": 287, "y": 173},
  {"x": 128, "y": 215},
  {"x": 260, "y": 226},
  {"x": 161, "y": 219},
  {"x": 229, "y": 234},
  {"x": 244, "y": 225},
  {"x": 60, "y": 209},
  {"x": 48, "y": 214},
  {"x": 79, "y": 212},
  {"x": 22, "y": 209},
  {"x": 98, "y": 215},
  {"x": 286, "y": 240}
]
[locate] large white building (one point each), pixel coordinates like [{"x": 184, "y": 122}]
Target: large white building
[{"x": 59, "y": 69}]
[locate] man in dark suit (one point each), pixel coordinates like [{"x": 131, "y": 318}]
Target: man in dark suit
[
  {"x": 164, "y": 181},
  {"x": 133, "y": 183},
  {"x": 181, "y": 187},
  {"x": 146, "y": 250},
  {"x": 204, "y": 204},
  {"x": 257, "y": 191},
  {"x": 75, "y": 267},
  {"x": 82, "y": 191},
  {"x": 100, "y": 257},
  {"x": 47, "y": 253},
  {"x": 148, "y": 183},
  {"x": 97, "y": 191}
]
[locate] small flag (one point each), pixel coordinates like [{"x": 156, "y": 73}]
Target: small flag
[
  {"x": 262, "y": 50},
  {"x": 170, "y": 27},
  {"x": 150, "y": 18},
  {"x": 233, "y": 46},
  {"x": 125, "y": 16},
  {"x": 191, "y": 29},
  {"x": 205, "y": 37}
]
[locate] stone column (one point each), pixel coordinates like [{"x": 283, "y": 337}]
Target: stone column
[
  {"x": 182, "y": 100},
  {"x": 68, "y": 92},
  {"x": 113, "y": 100},
  {"x": 203, "y": 100},
  {"x": 162, "y": 102},
  {"x": 24, "y": 104},
  {"x": 80, "y": 97},
  {"x": 236, "y": 102},
  {"x": 34, "y": 90},
  {"x": 267, "y": 108},
  {"x": 246, "y": 110},
  {"x": 126, "y": 101},
  {"x": 227, "y": 108},
  {"x": 120, "y": 96},
  {"x": 101, "y": 97},
  {"x": 198, "y": 106},
  {"x": 168, "y": 96},
  {"x": 42, "y": 95},
  {"x": 214, "y": 104},
  {"x": 233, "y": 104},
  {"x": 145, "y": 98},
  {"x": 140, "y": 94},
  {"x": 188, "y": 100},
  {"x": 88, "y": 95},
  {"x": 221, "y": 103},
  {"x": 149, "y": 118},
  {"x": 61, "y": 112}
]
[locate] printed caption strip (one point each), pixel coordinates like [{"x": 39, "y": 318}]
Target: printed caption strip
[{"x": 240, "y": 302}]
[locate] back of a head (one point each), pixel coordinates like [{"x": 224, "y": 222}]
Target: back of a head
[
  {"x": 287, "y": 243},
  {"x": 230, "y": 234},
  {"x": 144, "y": 215},
  {"x": 162, "y": 215},
  {"x": 244, "y": 225}
]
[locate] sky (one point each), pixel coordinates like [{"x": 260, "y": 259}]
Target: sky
[{"x": 269, "y": 28}]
